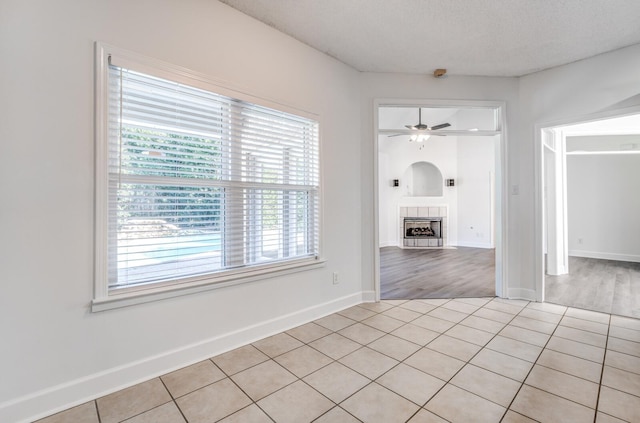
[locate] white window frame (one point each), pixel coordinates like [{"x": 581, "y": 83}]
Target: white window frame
[{"x": 103, "y": 298}]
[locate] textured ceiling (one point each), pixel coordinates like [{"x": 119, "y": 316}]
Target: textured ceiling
[{"x": 468, "y": 37}]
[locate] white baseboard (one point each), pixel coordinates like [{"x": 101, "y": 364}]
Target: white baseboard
[
  {"x": 605, "y": 256},
  {"x": 474, "y": 244},
  {"x": 388, "y": 244},
  {"x": 521, "y": 294},
  {"x": 61, "y": 397},
  {"x": 368, "y": 296}
]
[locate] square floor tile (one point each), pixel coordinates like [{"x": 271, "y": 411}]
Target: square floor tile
[
  {"x": 461, "y": 307},
  {"x": 435, "y": 301},
  {"x": 466, "y": 333},
  {"x": 250, "y": 414},
  {"x": 394, "y": 347},
  {"x": 357, "y": 313},
  {"x": 622, "y": 380},
  {"x": 479, "y": 302},
  {"x": 486, "y": 384},
  {"x": 548, "y": 307},
  {"x": 624, "y": 346},
  {"x": 415, "y": 334},
  {"x": 239, "y": 359},
  {"x": 132, "y": 401},
  {"x": 448, "y": 315},
  {"x": 418, "y": 306},
  {"x": 625, "y": 322},
  {"x": 411, "y": 383},
  {"x": 309, "y": 332},
  {"x": 278, "y": 344},
  {"x": 362, "y": 334},
  {"x": 263, "y": 379},
  {"x": 511, "y": 308},
  {"x": 453, "y": 347},
  {"x": 434, "y": 363},
  {"x": 619, "y": 404},
  {"x": 605, "y": 418},
  {"x": 458, "y": 405},
  {"x": 525, "y": 335},
  {"x": 575, "y": 366},
  {"x": 376, "y": 404},
  {"x": 167, "y": 413},
  {"x": 377, "y": 307},
  {"x": 190, "y": 378},
  {"x": 481, "y": 323},
  {"x": 593, "y": 316},
  {"x": 502, "y": 364},
  {"x": 515, "y": 348},
  {"x": 297, "y": 403},
  {"x": 85, "y": 413},
  {"x": 540, "y": 315},
  {"x": 577, "y": 349},
  {"x": 546, "y": 407},
  {"x": 336, "y": 415},
  {"x": 213, "y": 402},
  {"x": 394, "y": 302},
  {"x": 383, "y": 323},
  {"x": 591, "y": 338},
  {"x": 533, "y": 324},
  {"x": 336, "y": 381},
  {"x": 368, "y": 362},
  {"x": 586, "y": 325},
  {"x": 513, "y": 417},
  {"x": 402, "y": 314},
  {"x": 622, "y": 361},
  {"x": 424, "y": 416},
  {"x": 494, "y": 315},
  {"x": 564, "y": 385},
  {"x": 335, "y": 346},
  {"x": 335, "y": 322},
  {"x": 303, "y": 361},
  {"x": 433, "y": 323},
  {"x": 624, "y": 333}
]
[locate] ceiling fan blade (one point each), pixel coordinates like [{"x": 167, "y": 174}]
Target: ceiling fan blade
[
  {"x": 442, "y": 125},
  {"x": 395, "y": 135},
  {"x": 410, "y": 127}
]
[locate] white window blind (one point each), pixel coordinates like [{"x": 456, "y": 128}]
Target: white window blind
[{"x": 200, "y": 184}]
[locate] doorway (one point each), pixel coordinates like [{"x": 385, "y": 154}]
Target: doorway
[
  {"x": 588, "y": 206},
  {"x": 426, "y": 135}
]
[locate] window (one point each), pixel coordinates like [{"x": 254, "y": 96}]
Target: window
[{"x": 199, "y": 186}]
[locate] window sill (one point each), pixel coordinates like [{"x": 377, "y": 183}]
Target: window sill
[{"x": 129, "y": 298}]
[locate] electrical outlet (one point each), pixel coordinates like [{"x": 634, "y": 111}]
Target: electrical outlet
[{"x": 335, "y": 278}]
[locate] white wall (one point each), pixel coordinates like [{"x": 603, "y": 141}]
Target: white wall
[
  {"x": 560, "y": 94},
  {"x": 603, "y": 206},
  {"x": 475, "y": 189},
  {"x": 396, "y": 155},
  {"x": 55, "y": 352}
]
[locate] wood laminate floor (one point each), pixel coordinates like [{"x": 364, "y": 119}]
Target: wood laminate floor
[
  {"x": 600, "y": 285},
  {"x": 450, "y": 273}
]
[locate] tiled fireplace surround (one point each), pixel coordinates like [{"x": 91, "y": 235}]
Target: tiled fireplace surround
[{"x": 423, "y": 211}]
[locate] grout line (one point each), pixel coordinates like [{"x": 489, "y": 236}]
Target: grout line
[{"x": 604, "y": 360}]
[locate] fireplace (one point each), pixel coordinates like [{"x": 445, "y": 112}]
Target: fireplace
[{"x": 423, "y": 232}]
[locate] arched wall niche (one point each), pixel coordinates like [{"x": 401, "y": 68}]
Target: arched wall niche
[{"x": 423, "y": 179}]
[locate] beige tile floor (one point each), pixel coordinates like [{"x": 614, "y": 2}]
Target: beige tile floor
[{"x": 418, "y": 361}]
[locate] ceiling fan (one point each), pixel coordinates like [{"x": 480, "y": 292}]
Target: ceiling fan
[{"x": 421, "y": 126}]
